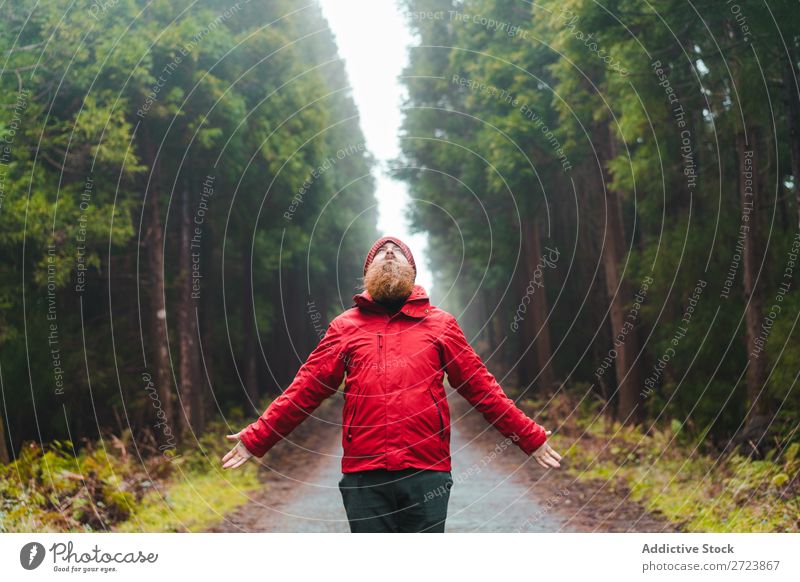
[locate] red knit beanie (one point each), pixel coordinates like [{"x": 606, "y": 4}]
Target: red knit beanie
[{"x": 378, "y": 243}]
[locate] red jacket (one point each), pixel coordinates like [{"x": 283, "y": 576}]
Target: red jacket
[{"x": 395, "y": 412}]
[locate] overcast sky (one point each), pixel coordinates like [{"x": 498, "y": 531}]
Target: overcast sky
[{"x": 373, "y": 40}]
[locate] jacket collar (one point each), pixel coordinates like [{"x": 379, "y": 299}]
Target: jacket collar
[{"x": 417, "y": 304}]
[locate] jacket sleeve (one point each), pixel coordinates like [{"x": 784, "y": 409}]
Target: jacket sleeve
[
  {"x": 472, "y": 380},
  {"x": 318, "y": 378}
]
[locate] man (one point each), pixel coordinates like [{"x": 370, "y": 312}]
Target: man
[{"x": 394, "y": 348}]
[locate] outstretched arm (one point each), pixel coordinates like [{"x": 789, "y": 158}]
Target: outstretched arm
[
  {"x": 318, "y": 378},
  {"x": 467, "y": 373}
]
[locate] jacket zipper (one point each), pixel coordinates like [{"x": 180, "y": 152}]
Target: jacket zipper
[
  {"x": 355, "y": 402},
  {"x": 441, "y": 419}
]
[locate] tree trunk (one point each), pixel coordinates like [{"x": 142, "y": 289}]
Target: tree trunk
[
  {"x": 536, "y": 328},
  {"x": 154, "y": 241},
  {"x": 4, "y": 458},
  {"x": 757, "y": 420},
  {"x": 499, "y": 329},
  {"x": 187, "y": 323},
  {"x": 490, "y": 319},
  {"x": 249, "y": 369},
  {"x": 623, "y": 325},
  {"x": 208, "y": 317},
  {"x": 793, "y": 94}
]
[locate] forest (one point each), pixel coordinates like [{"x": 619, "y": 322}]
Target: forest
[
  {"x": 609, "y": 191},
  {"x": 155, "y": 182},
  {"x": 636, "y": 169}
]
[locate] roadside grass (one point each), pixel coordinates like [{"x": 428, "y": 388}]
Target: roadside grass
[
  {"x": 675, "y": 473},
  {"x": 193, "y": 503},
  {"x": 112, "y": 484}
]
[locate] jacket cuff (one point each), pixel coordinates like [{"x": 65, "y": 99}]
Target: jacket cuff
[
  {"x": 252, "y": 443},
  {"x": 536, "y": 440}
]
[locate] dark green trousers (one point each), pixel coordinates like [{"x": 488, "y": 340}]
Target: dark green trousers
[{"x": 409, "y": 500}]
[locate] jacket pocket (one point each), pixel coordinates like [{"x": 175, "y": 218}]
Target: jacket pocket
[
  {"x": 349, "y": 422},
  {"x": 438, "y": 411}
]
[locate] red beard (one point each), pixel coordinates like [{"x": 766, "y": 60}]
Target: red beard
[{"x": 389, "y": 280}]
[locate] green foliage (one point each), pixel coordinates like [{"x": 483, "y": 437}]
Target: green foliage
[
  {"x": 131, "y": 106},
  {"x": 105, "y": 486},
  {"x": 646, "y": 103},
  {"x": 713, "y": 492},
  {"x": 56, "y": 489}
]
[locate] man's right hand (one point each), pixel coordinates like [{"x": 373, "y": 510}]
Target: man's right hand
[
  {"x": 546, "y": 456},
  {"x": 238, "y": 455}
]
